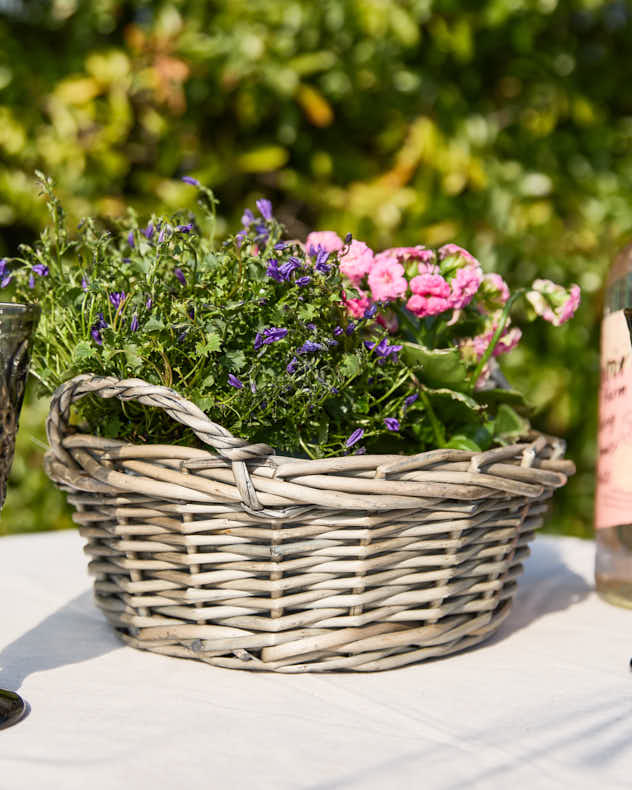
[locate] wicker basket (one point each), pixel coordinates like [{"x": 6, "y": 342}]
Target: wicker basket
[{"x": 248, "y": 560}]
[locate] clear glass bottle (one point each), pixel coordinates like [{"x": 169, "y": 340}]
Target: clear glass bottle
[{"x": 613, "y": 509}]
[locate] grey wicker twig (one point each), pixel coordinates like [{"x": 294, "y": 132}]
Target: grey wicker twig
[{"x": 248, "y": 560}]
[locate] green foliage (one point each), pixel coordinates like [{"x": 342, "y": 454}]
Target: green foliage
[{"x": 504, "y": 126}]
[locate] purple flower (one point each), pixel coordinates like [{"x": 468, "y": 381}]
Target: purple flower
[
  {"x": 3, "y": 266},
  {"x": 148, "y": 232},
  {"x": 116, "y": 299},
  {"x": 258, "y": 341},
  {"x": 321, "y": 261},
  {"x": 287, "y": 268},
  {"x": 311, "y": 327},
  {"x": 360, "y": 451},
  {"x": 274, "y": 271},
  {"x": 355, "y": 437},
  {"x": 191, "y": 313},
  {"x": 185, "y": 228},
  {"x": 273, "y": 334},
  {"x": 348, "y": 238},
  {"x": 280, "y": 245},
  {"x": 41, "y": 269},
  {"x": 31, "y": 281},
  {"x": 130, "y": 239},
  {"x": 180, "y": 275},
  {"x": 382, "y": 349},
  {"x": 350, "y": 328},
  {"x": 95, "y": 331},
  {"x": 84, "y": 284},
  {"x": 301, "y": 281},
  {"x": 332, "y": 342},
  {"x": 239, "y": 237},
  {"x": 253, "y": 387},
  {"x": 162, "y": 234},
  {"x": 190, "y": 180},
  {"x": 148, "y": 303},
  {"x": 334, "y": 390},
  {"x": 247, "y": 218},
  {"x": 370, "y": 311},
  {"x": 134, "y": 323},
  {"x": 411, "y": 399},
  {"x": 309, "y": 347},
  {"x": 292, "y": 365},
  {"x": 181, "y": 336},
  {"x": 338, "y": 331},
  {"x": 234, "y": 382},
  {"x": 391, "y": 423},
  {"x": 265, "y": 208}
]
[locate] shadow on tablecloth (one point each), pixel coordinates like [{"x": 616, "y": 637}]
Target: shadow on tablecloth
[
  {"x": 547, "y": 585},
  {"x": 74, "y": 633}
]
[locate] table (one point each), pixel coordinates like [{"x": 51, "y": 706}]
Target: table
[{"x": 546, "y": 703}]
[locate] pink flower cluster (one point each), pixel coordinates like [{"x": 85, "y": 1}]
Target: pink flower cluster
[
  {"x": 386, "y": 275},
  {"x": 553, "y": 302}
]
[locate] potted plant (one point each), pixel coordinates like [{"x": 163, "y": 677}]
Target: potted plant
[{"x": 284, "y": 455}]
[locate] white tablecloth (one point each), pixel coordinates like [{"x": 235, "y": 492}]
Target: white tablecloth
[{"x": 547, "y": 703}]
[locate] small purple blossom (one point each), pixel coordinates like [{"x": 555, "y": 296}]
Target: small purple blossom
[
  {"x": 234, "y": 382},
  {"x": 391, "y": 423},
  {"x": 116, "y": 299},
  {"x": 321, "y": 261},
  {"x": 253, "y": 387},
  {"x": 95, "y": 331},
  {"x": 247, "y": 218},
  {"x": 280, "y": 245},
  {"x": 411, "y": 399},
  {"x": 239, "y": 237},
  {"x": 288, "y": 267},
  {"x": 292, "y": 365},
  {"x": 309, "y": 347},
  {"x": 5, "y": 281},
  {"x": 134, "y": 323},
  {"x": 148, "y": 232},
  {"x": 311, "y": 326},
  {"x": 301, "y": 281},
  {"x": 273, "y": 334},
  {"x": 180, "y": 275},
  {"x": 350, "y": 328},
  {"x": 84, "y": 284},
  {"x": 355, "y": 437},
  {"x": 185, "y": 228},
  {"x": 331, "y": 342},
  {"x": 162, "y": 235},
  {"x": 274, "y": 271},
  {"x": 31, "y": 281},
  {"x": 96, "y": 336},
  {"x": 370, "y": 311},
  {"x": 130, "y": 239},
  {"x": 338, "y": 331},
  {"x": 41, "y": 269},
  {"x": 348, "y": 238},
  {"x": 265, "y": 208},
  {"x": 190, "y": 180},
  {"x": 148, "y": 303},
  {"x": 258, "y": 341},
  {"x": 334, "y": 390},
  {"x": 181, "y": 336},
  {"x": 191, "y": 313},
  {"x": 360, "y": 451}
]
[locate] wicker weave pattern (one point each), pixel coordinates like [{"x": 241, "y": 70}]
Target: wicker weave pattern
[{"x": 244, "y": 559}]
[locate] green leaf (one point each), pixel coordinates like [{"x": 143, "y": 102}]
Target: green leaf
[
  {"x": 212, "y": 342},
  {"x": 438, "y": 367},
  {"x": 83, "y": 350},
  {"x": 134, "y": 360},
  {"x": 509, "y": 426},
  {"x": 461, "y": 442},
  {"x": 234, "y": 360},
  {"x": 451, "y": 406},
  {"x": 349, "y": 365},
  {"x": 497, "y": 396},
  {"x": 153, "y": 325}
]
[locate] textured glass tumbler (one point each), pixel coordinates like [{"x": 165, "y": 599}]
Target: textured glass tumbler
[{"x": 17, "y": 326}]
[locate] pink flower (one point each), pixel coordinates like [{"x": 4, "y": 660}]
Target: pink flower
[
  {"x": 431, "y": 295},
  {"x": 552, "y": 302},
  {"x": 405, "y": 254},
  {"x": 478, "y": 345},
  {"x": 357, "y": 262},
  {"x": 389, "y": 321},
  {"x": 496, "y": 289},
  {"x": 423, "y": 306},
  {"x": 430, "y": 285},
  {"x": 327, "y": 239},
  {"x": 465, "y": 284},
  {"x": 387, "y": 281},
  {"x": 453, "y": 249},
  {"x": 356, "y": 307}
]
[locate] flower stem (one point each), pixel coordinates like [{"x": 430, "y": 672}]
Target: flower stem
[{"x": 495, "y": 338}]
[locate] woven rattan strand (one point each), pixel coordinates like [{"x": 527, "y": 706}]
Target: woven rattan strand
[{"x": 244, "y": 559}]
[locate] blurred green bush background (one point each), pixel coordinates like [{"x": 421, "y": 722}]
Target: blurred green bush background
[{"x": 502, "y": 125}]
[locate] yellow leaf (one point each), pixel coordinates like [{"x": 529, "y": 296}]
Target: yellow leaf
[{"x": 315, "y": 105}]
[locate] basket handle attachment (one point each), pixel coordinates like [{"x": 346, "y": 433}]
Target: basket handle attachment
[{"x": 237, "y": 451}]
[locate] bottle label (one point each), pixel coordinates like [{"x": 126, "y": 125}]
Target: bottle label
[{"x": 613, "y": 505}]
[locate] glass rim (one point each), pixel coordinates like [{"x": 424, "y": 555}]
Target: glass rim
[{"x": 19, "y": 309}]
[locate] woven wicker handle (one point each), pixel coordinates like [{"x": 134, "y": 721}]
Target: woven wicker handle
[{"x": 228, "y": 446}]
